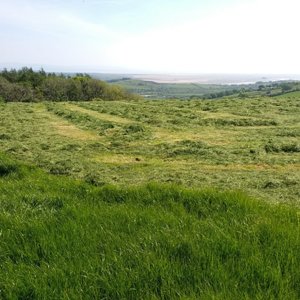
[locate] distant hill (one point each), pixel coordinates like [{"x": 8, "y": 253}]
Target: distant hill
[{"x": 155, "y": 90}]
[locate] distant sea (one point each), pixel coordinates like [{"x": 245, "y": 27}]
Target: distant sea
[{"x": 214, "y": 78}]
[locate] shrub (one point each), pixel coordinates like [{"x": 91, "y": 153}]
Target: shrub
[{"x": 26, "y": 85}]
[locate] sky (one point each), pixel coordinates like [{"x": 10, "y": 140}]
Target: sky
[{"x": 157, "y": 36}]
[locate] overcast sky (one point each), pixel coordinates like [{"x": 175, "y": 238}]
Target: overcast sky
[{"x": 160, "y": 36}]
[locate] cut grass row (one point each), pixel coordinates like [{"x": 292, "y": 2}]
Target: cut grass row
[{"x": 112, "y": 142}]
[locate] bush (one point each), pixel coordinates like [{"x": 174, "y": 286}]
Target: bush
[{"x": 27, "y": 86}]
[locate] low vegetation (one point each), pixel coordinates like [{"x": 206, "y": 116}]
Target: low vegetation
[
  {"x": 114, "y": 199},
  {"x": 66, "y": 239},
  {"x": 251, "y": 144},
  {"x": 154, "y": 90}
]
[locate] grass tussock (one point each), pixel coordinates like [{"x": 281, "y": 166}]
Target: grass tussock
[
  {"x": 66, "y": 239},
  {"x": 288, "y": 148}
]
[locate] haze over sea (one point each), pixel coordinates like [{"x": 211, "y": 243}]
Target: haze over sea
[{"x": 215, "y": 78}]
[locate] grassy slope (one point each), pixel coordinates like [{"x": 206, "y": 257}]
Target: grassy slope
[
  {"x": 156, "y": 90},
  {"x": 290, "y": 95},
  {"x": 65, "y": 239},
  {"x": 248, "y": 144},
  {"x": 169, "y": 90}
]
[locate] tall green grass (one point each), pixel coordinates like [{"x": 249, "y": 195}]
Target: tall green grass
[{"x": 66, "y": 239}]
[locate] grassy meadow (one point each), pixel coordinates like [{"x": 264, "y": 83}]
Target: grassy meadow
[
  {"x": 245, "y": 144},
  {"x": 150, "y": 199},
  {"x": 63, "y": 238}
]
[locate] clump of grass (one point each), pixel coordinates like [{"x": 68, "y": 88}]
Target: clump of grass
[
  {"x": 185, "y": 148},
  {"x": 4, "y": 136},
  {"x": 241, "y": 122},
  {"x": 62, "y": 238},
  {"x": 289, "y": 133},
  {"x": 288, "y": 148},
  {"x": 93, "y": 179},
  {"x": 134, "y": 128},
  {"x": 271, "y": 147},
  {"x": 7, "y": 167},
  {"x": 62, "y": 167}
]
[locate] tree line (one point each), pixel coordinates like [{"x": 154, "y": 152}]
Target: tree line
[{"x": 27, "y": 85}]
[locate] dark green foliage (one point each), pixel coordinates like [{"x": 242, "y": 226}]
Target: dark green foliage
[
  {"x": 25, "y": 85},
  {"x": 155, "y": 90},
  {"x": 4, "y": 136},
  {"x": 66, "y": 239},
  {"x": 25, "y": 75},
  {"x": 11, "y": 91},
  {"x": 8, "y": 167},
  {"x": 134, "y": 128}
]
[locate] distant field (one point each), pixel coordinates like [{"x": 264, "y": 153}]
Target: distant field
[
  {"x": 291, "y": 95},
  {"x": 247, "y": 144},
  {"x": 154, "y": 90}
]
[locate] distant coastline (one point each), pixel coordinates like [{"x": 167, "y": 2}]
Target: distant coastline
[{"x": 227, "y": 79}]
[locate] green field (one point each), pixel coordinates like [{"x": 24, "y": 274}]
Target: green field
[
  {"x": 150, "y": 199},
  {"x": 159, "y": 90},
  {"x": 247, "y": 144},
  {"x": 154, "y": 90},
  {"x": 65, "y": 239}
]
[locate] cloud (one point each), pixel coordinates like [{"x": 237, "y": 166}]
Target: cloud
[
  {"x": 256, "y": 36},
  {"x": 47, "y": 20},
  {"x": 119, "y": 2},
  {"x": 38, "y": 34}
]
